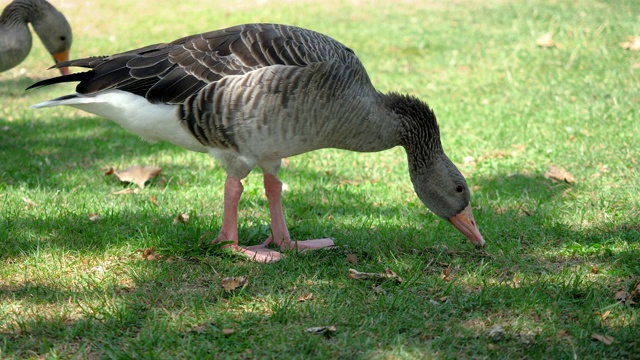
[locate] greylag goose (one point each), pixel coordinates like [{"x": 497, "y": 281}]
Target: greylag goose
[
  {"x": 15, "y": 38},
  {"x": 253, "y": 94}
]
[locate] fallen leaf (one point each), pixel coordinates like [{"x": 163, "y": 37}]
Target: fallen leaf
[
  {"x": 182, "y": 218},
  {"x": 607, "y": 340},
  {"x": 446, "y": 274},
  {"x": 228, "y": 331},
  {"x": 94, "y": 217},
  {"x": 149, "y": 254},
  {"x": 321, "y": 330},
  {"x": 595, "y": 270},
  {"x": 621, "y": 295},
  {"x": 633, "y": 43},
  {"x": 388, "y": 274},
  {"x": 153, "y": 200},
  {"x": 558, "y": 173},
  {"x": 305, "y": 297},
  {"x": 605, "y": 315},
  {"x": 232, "y": 283},
  {"x": 563, "y": 333},
  {"x": 545, "y": 40},
  {"x": 352, "y": 259},
  {"x": 29, "y": 203},
  {"x": 136, "y": 174}
]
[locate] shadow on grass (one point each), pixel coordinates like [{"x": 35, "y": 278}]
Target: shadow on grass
[{"x": 144, "y": 316}]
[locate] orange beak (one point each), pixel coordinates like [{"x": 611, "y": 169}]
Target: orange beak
[
  {"x": 465, "y": 224},
  {"x": 60, "y": 57}
]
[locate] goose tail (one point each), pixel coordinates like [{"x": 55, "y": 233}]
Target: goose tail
[{"x": 61, "y": 79}]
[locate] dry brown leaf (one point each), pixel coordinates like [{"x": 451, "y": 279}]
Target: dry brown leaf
[
  {"x": 94, "y": 217},
  {"x": 232, "y": 283},
  {"x": 558, "y": 173},
  {"x": 607, "y": 340},
  {"x": 305, "y": 297},
  {"x": 446, "y": 273},
  {"x": 595, "y": 270},
  {"x": 563, "y": 333},
  {"x": 136, "y": 174},
  {"x": 182, "y": 218},
  {"x": 545, "y": 40},
  {"x": 605, "y": 315},
  {"x": 621, "y": 295},
  {"x": 388, "y": 274},
  {"x": 29, "y": 203},
  {"x": 153, "y": 200},
  {"x": 352, "y": 259},
  {"x": 149, "y": 254},
  {"x": 633, "y": 43},
  {"x": 228, "y": 331}
]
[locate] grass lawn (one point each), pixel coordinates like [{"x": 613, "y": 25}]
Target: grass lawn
[{"x": 557, "y": 279}]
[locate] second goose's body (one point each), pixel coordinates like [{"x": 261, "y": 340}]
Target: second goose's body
[
  {"x": 253, "y": 94},
  {"x": 15, "y": 38}
]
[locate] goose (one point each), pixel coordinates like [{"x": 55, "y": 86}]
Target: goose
[
  {"x": 15, "y": 38},
  {"x": 251, "y": 95}
]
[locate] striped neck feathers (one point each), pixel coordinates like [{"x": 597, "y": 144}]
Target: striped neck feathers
[{"x": 420, "y": 135}]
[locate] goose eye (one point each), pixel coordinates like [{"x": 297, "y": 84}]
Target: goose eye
[
  {"x": 459, "y": 188},
  {"x": 63, "y": 38}
]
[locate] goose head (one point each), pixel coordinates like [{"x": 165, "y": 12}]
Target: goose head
[
  {"x": 436, "y": 180},
  {"x": 443, "y": 189},
  {"x": 54, "y": 31}
]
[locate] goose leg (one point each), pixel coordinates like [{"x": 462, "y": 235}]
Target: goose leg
[
  {"x": 229, "y": 232},
  {"x": 279, "y": 232}
]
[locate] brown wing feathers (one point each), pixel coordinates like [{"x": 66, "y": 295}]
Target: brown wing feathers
[{"x": 172, "y": 72}]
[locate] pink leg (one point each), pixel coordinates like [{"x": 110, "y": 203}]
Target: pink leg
[
  {"x": 279, "y": 231},
  {"x": 229, "y": 232},
  {"x": 232, "y": 192}
]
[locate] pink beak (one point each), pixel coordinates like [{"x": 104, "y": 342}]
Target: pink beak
[{"x": 465, "y": 224}]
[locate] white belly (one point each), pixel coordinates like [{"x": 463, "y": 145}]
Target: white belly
[{"x": 152, "y": 122}]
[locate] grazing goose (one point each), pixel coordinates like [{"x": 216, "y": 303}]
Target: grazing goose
[
  {"x": 15, "y": 38},
  {"x": 253, "y": 94}
]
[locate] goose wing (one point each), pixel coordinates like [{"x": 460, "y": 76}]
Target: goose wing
[{"x": 171, "y": 72}]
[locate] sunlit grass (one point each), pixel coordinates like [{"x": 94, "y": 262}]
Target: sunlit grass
[{"x": 508, "y": 110}]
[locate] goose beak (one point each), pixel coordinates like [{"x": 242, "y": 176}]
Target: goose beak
[
  {"x": 60, "y": 57},
  {"x": 465, "y": 224}
]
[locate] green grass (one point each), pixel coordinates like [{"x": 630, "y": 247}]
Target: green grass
[{"x": 557, "y": 254}]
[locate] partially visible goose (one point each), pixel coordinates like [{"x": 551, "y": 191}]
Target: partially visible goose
[
  {"x": 15, "y": 38},
  {"x": 253, "y": 94}
]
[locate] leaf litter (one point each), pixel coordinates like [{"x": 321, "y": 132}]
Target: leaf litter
[
  {"x": 136, "y": 174},
  {"x": 560, "y": 174},
  {"x": 388, "y": 274},
  {"x": 232, "y": 283},
  {"x": 322, "y": 330},
  {"x": 181, "y": 218},
  {"x": 546, "y": 40},
  {"x": 632, "y": 43}
]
